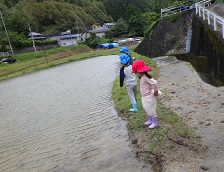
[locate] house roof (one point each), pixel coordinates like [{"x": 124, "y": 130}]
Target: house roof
[
  {"x": 109, "y": 24},
  {"x": 66, "y": 36},
  {"x": 68, "y": 32},
  {"x": 98, "y": 30},
  {"x": 35, "y": 34}
]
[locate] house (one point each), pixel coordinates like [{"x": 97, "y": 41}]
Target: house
[
  {"x": 100, "y": 31},
  {"x": 96, "y": 26},
  {"x": 36, "y": 36},
  {"x": 67, "y": 40}
]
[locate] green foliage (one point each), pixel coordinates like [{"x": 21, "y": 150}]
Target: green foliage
[
  {"x": 3, "y": 48},
  {"x": 132, "y": 17},
  {"x": 122, "y": 8},
  {"x": 93, "y": 41},
  {"x": 148, "y": 18},
  {"x": 172, "y": 39},
  {"x": 120, "y": 29},
  {"x": 173, "y": 18},
  {"x": 18, "y": 40},
  {"x": 136, "y": 25},
  {"x": 131, "y": 10},
  {"x": 151, "y": 27},
  {"x": 53, "y": 17}
]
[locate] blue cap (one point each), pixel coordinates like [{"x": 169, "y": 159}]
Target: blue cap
[
  {"x": 124, "y": 49},
  {"x": 124, "y": 59}
]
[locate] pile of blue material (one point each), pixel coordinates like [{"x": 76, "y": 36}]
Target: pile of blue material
[{"x": 107, "y": 45}]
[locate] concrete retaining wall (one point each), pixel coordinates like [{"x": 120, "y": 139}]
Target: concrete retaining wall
[{"x": 209, "y": 44}]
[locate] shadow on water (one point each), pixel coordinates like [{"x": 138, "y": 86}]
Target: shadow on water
[{"x": 200, "y": 67}]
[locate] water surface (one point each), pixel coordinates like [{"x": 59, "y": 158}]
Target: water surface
[{"x": 63, "y": 119}]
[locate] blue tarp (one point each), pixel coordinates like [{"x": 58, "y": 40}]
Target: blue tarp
[{"x": 108, "y": 45}]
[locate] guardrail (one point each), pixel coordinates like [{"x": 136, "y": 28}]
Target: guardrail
[
  {"x": 212, "y": 18},
  {"x": 185, "y": 6}
]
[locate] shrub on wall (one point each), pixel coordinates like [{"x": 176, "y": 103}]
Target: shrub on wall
[{"x": 173, "y": 18}]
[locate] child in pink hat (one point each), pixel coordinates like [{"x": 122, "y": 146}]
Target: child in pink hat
[{"x": 149, "y": 91}]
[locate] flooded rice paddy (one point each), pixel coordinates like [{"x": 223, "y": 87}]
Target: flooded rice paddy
[{"x": 63, "y": 119}]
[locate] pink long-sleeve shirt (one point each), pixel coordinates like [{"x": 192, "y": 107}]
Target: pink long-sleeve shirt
[{"x": 147, "y": 85}]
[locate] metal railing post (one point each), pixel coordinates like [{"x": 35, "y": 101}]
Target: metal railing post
[
  {"x": 203, "y": 13},
  {"x": 215, "y": 26},
  {"x": 208, "y": 15},
  {"x": 223, "y": 30}
]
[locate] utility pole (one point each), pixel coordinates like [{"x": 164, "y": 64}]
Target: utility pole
[
  {"x": 31, "y": 34},
  {"x": 76, "y": 24},
  {"x": 6, "y": 33}
]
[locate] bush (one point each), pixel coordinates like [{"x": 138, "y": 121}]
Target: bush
[{"x": 173, "y": 18}]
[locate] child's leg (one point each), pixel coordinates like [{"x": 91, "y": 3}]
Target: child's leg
[
  {"x": 135, "y": 93},
  {"x": 149, "y": 103},
  {"x": 154, "y": 121},
  {"x": 149, "y": 120},
  {"x": 131, "y": 94}
]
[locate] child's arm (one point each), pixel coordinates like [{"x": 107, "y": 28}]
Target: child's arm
[
  {"x": 154, "y": 84},
  {"x": 122, "y": 77}
]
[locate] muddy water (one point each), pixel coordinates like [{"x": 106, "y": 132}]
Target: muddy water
[{"x": 63, "y": 119}]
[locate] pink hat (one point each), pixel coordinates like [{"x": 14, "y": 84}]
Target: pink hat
[{"x": 140, "y": 66}]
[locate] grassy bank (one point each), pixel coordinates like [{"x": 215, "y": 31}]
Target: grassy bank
[{"x": 33, "y": 61}]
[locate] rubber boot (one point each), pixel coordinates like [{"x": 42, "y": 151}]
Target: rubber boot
[
  {"x": 134, "y": 108},
  {"x": 154, "y": 123},
  {"x": 149, "y": 121}
]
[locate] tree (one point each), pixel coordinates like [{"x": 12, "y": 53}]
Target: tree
[
  {"x": 131, "y": 10},
  {"x": 120, "y": 29}
]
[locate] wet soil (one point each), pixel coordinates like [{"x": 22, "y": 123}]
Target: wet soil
[{"x": 201, "y": 106}]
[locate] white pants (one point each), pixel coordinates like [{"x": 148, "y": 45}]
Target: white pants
[
  {"x": 149, "y": 104},
  {"x": 132, "y": 93}
]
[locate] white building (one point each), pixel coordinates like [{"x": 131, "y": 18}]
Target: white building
[{"x": 67, "y": 40}]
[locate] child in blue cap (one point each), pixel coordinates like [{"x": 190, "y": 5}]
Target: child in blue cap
[
  {"x": 126, "y": 51},
  {"x": 130, "y": 81}
]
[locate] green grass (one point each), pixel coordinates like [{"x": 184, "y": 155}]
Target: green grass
[{"x": 33, "y": 61}]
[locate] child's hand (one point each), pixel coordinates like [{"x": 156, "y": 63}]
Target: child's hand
[
  {"x": 121, "y": 88},
  {"x": 156, "y": 93}
]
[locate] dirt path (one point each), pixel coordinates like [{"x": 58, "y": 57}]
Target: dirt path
[{"x": 200, "y": 105}]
